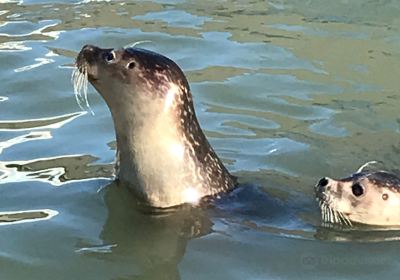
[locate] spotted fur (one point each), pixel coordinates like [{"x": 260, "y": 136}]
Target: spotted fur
[
  {"x": 365, "y": 197},
  {"x": 163, "y": 153}
]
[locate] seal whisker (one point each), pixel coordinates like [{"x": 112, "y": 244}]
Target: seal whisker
[
  {"x": 342, "y": 218},
  {"x": 346, "y": 220},
  {"x": 359, "y": 170},
  {"x": 76, "y": 81},
  {"x": 321, "y": 210},
  {"x": 85, "y": 90},
  {"x": 338, "y": 218},
  {"x": 132, "y": 45},
  {"x": 335, "y": 218},
  {"x": 80, "y": 81},
  {"x": 328, "y": 214},
  {"x": 324, "y": 212}
]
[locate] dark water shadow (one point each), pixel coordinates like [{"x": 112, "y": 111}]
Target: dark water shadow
[
  {"x": 150, "y": 243},
  {"x": 250, "y": 207}
]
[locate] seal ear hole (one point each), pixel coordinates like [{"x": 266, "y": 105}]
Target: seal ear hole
[
  {"x": 131, "y": 65},
  {"x": 357, "y": 190},
  {"x": 385, "y": 196}
]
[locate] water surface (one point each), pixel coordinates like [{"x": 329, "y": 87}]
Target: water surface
[{"x": 286, "y": 91}]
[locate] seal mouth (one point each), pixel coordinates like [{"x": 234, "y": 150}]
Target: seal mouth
[{"x": 82, "y": 74}]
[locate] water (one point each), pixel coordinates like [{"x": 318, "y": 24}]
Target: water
[{"x": 286, "y": 91}]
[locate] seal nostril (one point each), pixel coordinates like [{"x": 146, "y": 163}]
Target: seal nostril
[
  {"x": 88, "y": 48},
  {"x": 323, "y": 182}
]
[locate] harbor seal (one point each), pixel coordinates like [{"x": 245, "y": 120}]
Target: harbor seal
[
  {"x": 366, "y": 197},
  {"x": 162, "y": 153}
]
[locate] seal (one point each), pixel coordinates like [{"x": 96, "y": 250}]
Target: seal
[
  {"x": 366, "y": 197},
  {"x": 162, "y": 153}
]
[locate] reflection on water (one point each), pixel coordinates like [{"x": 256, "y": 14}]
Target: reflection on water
[
  {"x": 45, "y": 123},
  {"x": 55, "y": 171},
  {"x": 358, "y": 234},
  {"x": 153, "y": 244},
  {"x": 18, "y": 217},
  {"x": 286, "y": 91}
]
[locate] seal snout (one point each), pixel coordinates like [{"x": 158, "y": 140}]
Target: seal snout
[
  {"x": 89, "y": 48},
  {"x": 323, "y": 182},
  {"x": 321, "y": 187},
  {"x": 87, "y": 55}
]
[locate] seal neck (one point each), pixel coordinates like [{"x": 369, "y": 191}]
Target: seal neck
[{"x": 163, "y": 152}]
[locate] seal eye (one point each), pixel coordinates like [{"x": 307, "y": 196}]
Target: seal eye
[
  {"x": 357, "y": 189},
  {"x": 109, "y": 56},
  {"x": 131, "y": 65}
]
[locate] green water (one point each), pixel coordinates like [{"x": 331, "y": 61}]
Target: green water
[{"x": 287, "y": 92}]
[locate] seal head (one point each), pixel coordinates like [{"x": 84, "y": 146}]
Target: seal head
[
  {"x": 371, "y": 198},
  {"x": 162, "y": 152}
]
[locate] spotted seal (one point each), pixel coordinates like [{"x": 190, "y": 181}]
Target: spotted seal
[
  {"x": 366, "y": 197},
  {"x": 162, "y": 153}
]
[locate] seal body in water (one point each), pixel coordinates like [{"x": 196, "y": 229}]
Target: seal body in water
[
  {"x": 371, "y": 198},
  {"x": 162, "y": 152}
]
